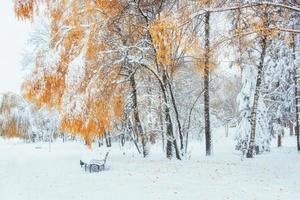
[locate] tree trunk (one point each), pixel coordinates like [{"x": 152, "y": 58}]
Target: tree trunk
[
  {"x": 279, "y": 140},
  {"x": 176, "y": 114},
  {"x": 100, "y": 141},
  {"x": 256, "y": 97},
  {"x": 63, "y": 137},
  {"x": 122, "y": 138},
  {"x": 206, "y": 85},
  {"x": 137, "y": 122},
  {"x": 161, "y": 123},
  {"x": 226, "y": 130},
  {"x": 171, "y": 141},
  {"x": 107, "y": 139},
  {"x": 291, "y": 127}
]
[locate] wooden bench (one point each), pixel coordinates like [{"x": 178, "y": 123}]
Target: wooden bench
[{"x": 95, "y": 165}]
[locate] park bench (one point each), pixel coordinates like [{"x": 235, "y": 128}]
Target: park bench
[{"x": 95, "y": 165}]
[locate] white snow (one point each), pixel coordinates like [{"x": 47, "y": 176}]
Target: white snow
[{"x": 31, "y": 172}]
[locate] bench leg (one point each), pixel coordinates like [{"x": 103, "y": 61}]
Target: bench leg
[{"x": 102, "y": 167}]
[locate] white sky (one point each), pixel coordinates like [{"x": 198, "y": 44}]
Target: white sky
[{"x": 13, "y": 36}]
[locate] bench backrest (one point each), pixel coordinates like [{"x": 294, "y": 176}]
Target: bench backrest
[
  {"x": 99, "y": 162},
  {"x": 106, "y": 155}
]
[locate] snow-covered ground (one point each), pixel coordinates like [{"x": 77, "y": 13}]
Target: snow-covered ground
[{"x": 31, "y": 172}]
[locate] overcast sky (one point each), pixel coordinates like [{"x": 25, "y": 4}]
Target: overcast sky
[{"x": 13, "y": 35}]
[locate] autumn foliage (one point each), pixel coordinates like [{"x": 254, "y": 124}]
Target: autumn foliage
[
  {"x": 24, "y": 9},
  {"x": 88, "y": 98}
]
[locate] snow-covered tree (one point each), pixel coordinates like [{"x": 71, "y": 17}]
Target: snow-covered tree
[
  {"x": 19, "y": 118},
  {"x": 16, "y": 118},
  {"x": 278, "y": 91}
]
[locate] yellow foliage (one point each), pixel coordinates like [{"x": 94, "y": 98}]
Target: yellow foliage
[
  {"x": 111, "y": 7},
  {"x": 75, "y": 30},
  {"x": 162, "y": 33},
  {"x": 73, "y": 38},
  {"x": 24, "y": 10},
  {"x": 118, "y": 106}
]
